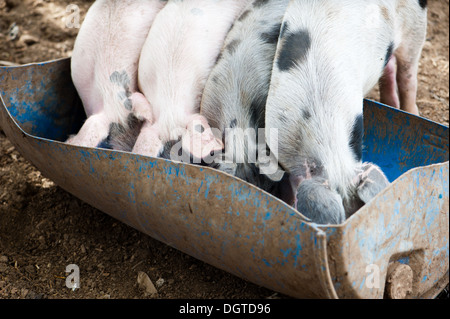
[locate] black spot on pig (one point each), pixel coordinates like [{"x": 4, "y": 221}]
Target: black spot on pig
[
  {"x": 124, "y": 94},
  {"x": 306, "y": 114},
  {"x": 260, "y": 3},
  {"x": 356, "y": 137},
  {"x": 283, "y": 29},
  {"x": 272, "y": 35},
  {"x": 294, "y": 49},
  {"x": 128, "y": 104},
  {"x": 231, "y": 47},
  {"x": 121, "y": 137},
  {"x": 123, "y": 80},
  {"x": 389, "y": 53},
  {"x": 115, "y": 130},
  {"x": 166, "y": 151},
  {"x": 105, "y": 144},
  {"x": 233, "y": 123},
  {"x": 120, "y": 78},
  {"x": 423, "y": 3}
]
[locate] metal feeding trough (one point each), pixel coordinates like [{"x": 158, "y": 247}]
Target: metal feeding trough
[{"x": 396, "y": 246}]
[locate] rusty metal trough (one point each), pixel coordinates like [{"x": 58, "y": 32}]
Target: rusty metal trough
[{"x": 232, "y": 225}]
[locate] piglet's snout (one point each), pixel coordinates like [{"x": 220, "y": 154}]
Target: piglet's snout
[{"x": 317, "y": 201}]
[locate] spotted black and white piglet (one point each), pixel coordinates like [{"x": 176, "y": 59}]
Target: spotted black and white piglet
[
  {"x": 104, "y": 71},
  {"x": 330, "y": 55},
  {"x": 235, "y": 94}
]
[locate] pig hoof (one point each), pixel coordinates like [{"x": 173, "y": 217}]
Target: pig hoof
[
  {"x": 319, "y": 203},
  {"x": 372, "y": 182}
]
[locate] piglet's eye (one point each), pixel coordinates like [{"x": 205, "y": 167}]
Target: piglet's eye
[{"x": 199, "y": 128}]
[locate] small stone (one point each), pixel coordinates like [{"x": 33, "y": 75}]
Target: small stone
[
  {"x": 3, "y": 259},
  {"x": 146, "y": 284},
  {"x": 24, "y": 292},
  {"x": 159, "y": 282},
  {"x": 28, "y": 39}
]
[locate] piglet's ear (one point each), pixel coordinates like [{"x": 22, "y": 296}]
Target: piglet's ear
[{"x": 199, "y": 139}]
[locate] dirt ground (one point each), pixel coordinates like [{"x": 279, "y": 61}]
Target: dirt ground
[{"x": 43, "y": 228}]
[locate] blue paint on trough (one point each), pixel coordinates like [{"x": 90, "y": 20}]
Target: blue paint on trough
[{"x": 233, "y": 225}]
